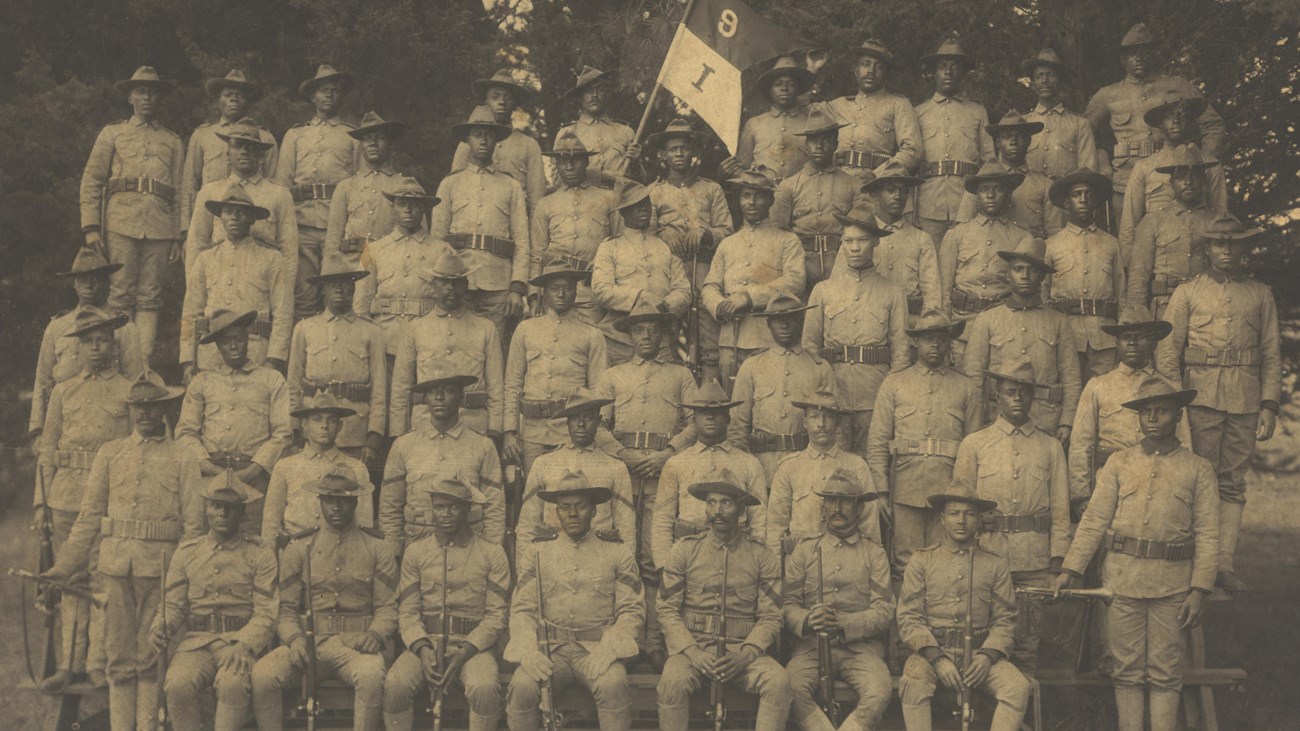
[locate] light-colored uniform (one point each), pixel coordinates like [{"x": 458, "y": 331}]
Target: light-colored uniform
[
  {"x": 457, "y": 342},
  {"x": 60, "y": 359},
  {"x": 631, "y": 266},
  {"x": 1102, "y": 426},
  {"x": 1166, "y": 253},
  {"x": 1088, "y": 286},
  {"x": 342, "y": 354},
  {"x": 207, "y": 160},
  {"x": 1156, "y": 193},
  {"x": 908, "y": 258},
  {"x": 972, "y": 276},
  {"x": 766, "y": 424},
  {"x": 397, "y": 290},
  {"x": 605, "y": 136},
  {"x": 882, "y": 127},
  {"x": 794, "y": 509},
  {"x": 291, "y": 508},
  {"x": 771, "y": 139},
  {"x": 518, "y": 156},
  {"x": 1065, "y": 144},
  {"x": 359, "y": 214},
  {"x": 613, "y": 519},
  {"x": 570, "y": 223},
  {"x": 237, "y": 277},
  {"x": 806, "y": 204},
  {"x": 1031, "y": 205},
  {"x": 678, "y": 515},
  {"x": 279, "y": 230},
  {"x": 954, "y": 143}
]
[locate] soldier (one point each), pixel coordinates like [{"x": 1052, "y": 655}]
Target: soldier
[
  {"x": 611, "y": 140},
  {"x": 315, "y": 157},
  {"x": 806, "y": 202},
  {"x": 353, "y": 595},
  {"x": 451, "y": 612},
  {"x": 955, "y": 138},
  {"x": 142, "y": 497},
  {"x": 549, "y": 357},
  {"x": 1031, "y": 205},
  {"x": 751, "y": 268},
  {"x": 921, "y": 414},
  {"x": 206, "y": 156},
  {"x": 1022, "y": 469},
  {"x": 840, "y": 570},
  {"x": 245, "y": 151},
  {"x": 441, "y": 447},
  {"x": 579, "y": 455},
  {"x": 793, "y": 511},
  {"x": 60, "y": 359},
  {"x": 593, "y": 613},
  {"x": 770, "y": 138},
  {"x": 1160, "y": 570},
  {"x": 766, "y": 423},
  {"x": 882, "y": 126},
  {"x": 1168, "y": 246},
  {"x": 856, "y": 321},
  {"x": 397, "y": 291},
  {"x": 907, "y": 256},
  {"x": 1066, "y": 142},
  {"x": 236, "y": 416},
  {"x": 715, "y": 578},
  {"x": 494, "y": 229},
  {"x": 358, "y": 213},
  {"x": 86, "y": 411},
  {"x": 221, "y": 601},
  {"x": 711, "y": 454},
  {"x": 937, "y": 587},
  {"x": 518, "y": 155},
  {"x": 635, "y": 265},
  {"x": 130, "y": 203},
  {"x": 1089, "y": 280},
  {"x": 241, "y": 273},
  {"x": 291, "y": 507},
  {"x": 449, "y": 336},
  {"x": 1225, "y": 343}
]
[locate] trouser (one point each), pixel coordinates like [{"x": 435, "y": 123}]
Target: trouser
[
  {"x": 406, "y": 679},
  {"x": 764, "y": 677},
  {"x": 192, "y": 672},
  {"x": 853, "y": 432},
  {"x": 74, "y": 612},
  {"x": 1147, "y": 642},
  {"x": 132, "y": 604},
  {"x": 533, "y": 450},
  {"x": 1228, "y": 441},
  {"x": 138, "y": 285},
  {"x": 1029, "y": 620},
  {"x": 1093, "y": 363},
  {"x": 914, "y": 529},
  {"x": 306, "y": 296},
  {"x": 936, "y": 228},
  {"x": 610, "y": 691},
  {"x": 818, "y": 266},
  {"x": 864, "y": 671},
  {"x": 729, "y": 361},
  {"x": 617, "y": 352},
  {"x": 365, "y": 673},
  {"x": 1005, "y": 683},
  {"x": 654, "y": 637},
  {"x": 492, "y": 304}
]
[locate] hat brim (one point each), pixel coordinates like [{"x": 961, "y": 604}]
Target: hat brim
[
  {"x": 869, "y": 226},
  {"x": 431, "y": 494},
  {"x": 428, "y": 200},
  {"x": 1155, "y": 115},
  {"x": 462, "y": 129},
  {"x": 1182, "y": 398},
  {"x": 821, "y": 130},
  {"x": 592, "y": 405},
  {"x": 953, "y": 329},
  {"x": 702, "y": 490},
  {"x": 243, "y": 320},
  {"x": 698, "y": 406},
  {"x": 1017, "y": 255},
  {"x": 104, "y": 270},
  {"x": 1060, "y": 189},
  {"x": 541, "y": 279},
  {"x": 624, "y": 324},
  {"x": 782, "y": 313},
  {"x": 741, "y": 183},
  {"x": 213, "y": 87},
  {"x": 1028, "y": 65},
  {"x": 353, "y": 276},
  {"x": 462, "y": 381},
  {"x": 938, "y": 500},
  {"x": 862, "y": 497},
  {"x": 394, "y": 130},
  {"x": 994, "y": 375},
  {"x": 306, "y": 88},
  {"x": 822, "y": 407},
  {"x": 112, "y": 323},
  {"x": 361, "y": 491},
  {"x": 170, "y": 393},
  {"x": 602, "y": 76},
  {"x": 1159, "y": 328},
  {"x": 644, "y": 194},
  {"x": 1171, "y": 169},
  {"x": 597, "y": 494},
  {"x": 1237, "y": 237},
  {"x": 804, "y": 79},
  {"x": 870, "y": 186},
  {"x": 570, "y": 153},
  {"x": 127, "y": 85},
  {"x": 304, "y": 412},
  {"x": 660, "y": 138},
  {"x": 523, "y": 94},
  {"x": 1032, "y": 128},
  {"x": 1011, "y": 179},
  {"x": 259, "y": 213},
  {"x": 263, "y": 144}
]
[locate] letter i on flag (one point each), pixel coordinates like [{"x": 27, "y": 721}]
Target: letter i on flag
[{"x": 717, "y": 39}]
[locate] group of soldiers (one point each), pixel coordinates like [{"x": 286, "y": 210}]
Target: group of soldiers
[{"x": 461, "y": 427}]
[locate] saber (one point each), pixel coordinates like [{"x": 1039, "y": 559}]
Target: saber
[
  {"x": 1103, "y": 594},
  {"x": 76, "y": 591}
]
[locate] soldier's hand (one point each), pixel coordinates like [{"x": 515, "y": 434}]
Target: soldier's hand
[
  {"x": 236, "y": 657},
  {"x": 457, "y": 660},
  {"x": 511, "y": 450},
  {"x": 633, "y": 152},
  {"x": 650, "y": 465},
  {"x": 1189, "y": 615},
  {"x": 537, "y": 667},
  {"x": 948, "y": 673},
  {"x": 514, "y": 305},
  {"x": 596, "y": 663},
  {"x": 1064, "y": 580},
  {"x": 174, "y": 252},
  {"x": 94, "y": 241},
  {"x": 1267, "y": 423},
  {"x": 730, "y": 167},
  {"x": 208, "y": 468},
  {"x": 368, "y": 644},
  {"x": 822, "y": 618},
  {"x": 187, "y": 374},
  {"x": 1063, "y": 434},
  {"x": 157, "y": 639},
  {"x": 701, "y": 660},
  {"x": 733, "y": 664},
  {"x": 726, "y": 310},
  {"x": 1054, "y": 564},
  {"x": 978, "y": 671},
  {"x": 816, "y": 59}
]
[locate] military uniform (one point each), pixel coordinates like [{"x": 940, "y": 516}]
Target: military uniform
[
  {"x": 793, "y": 508},
  {"x": 630, "y": 265},
  {"x": 1166, "y": 253},
  {"x": 1152, "y": 192},
  {"x": 279, "y": 231},
  {"x": 518, "y": 156},
  {"x": 1087, "y": 287},
  {"x": 607, "y": 137},
  {"x": 342, "y": 355},
  {"x": 359, "y": 214},
  {"x": 771, "y": 139},
  {"x": 396, "y": 292},
  {"x": 1102, "y": 426},
  {"x": 955, "y": 144},
  {"x": 972, "y": 276},
  {"x": 570, "y": 223},
  {"x": 207, "y": 161},
  {"x": 766, "y": 424},
  {"x": 677, "y": 516},
  {"x": 806, "y": 204},
  {"x": 1065, "y": 144},
  {"x": 1031, "y": 205},
  {"x": 907, "y": 257},
  {"x": 882, "y": 126},
  {"x": 463, "y": 342},
  {"x": 613, "y": 519},
  {"x": 292, "y": 508}
]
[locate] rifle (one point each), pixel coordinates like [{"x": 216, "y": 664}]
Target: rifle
[
  {"x": 513, "y": 488},
  {"x": 825, "y": 683},
  {"x": 309, "y": 705},
  {"x": 551, "y": 718},
  {"x": 719, "y": 712},
  {"x": 161, "y": 693},
  {"x": 967, "y": 711},
  {"x": 1106, "y": 596},
  {"x": 439, "y": 689},
  {"x": 52, "y": 585},
  {"x": 693, "y": 326}
]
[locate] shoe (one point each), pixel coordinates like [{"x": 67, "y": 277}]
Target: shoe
[
  {"x": 56, "y": 683},
  {"x": 1228, "y": 581}
]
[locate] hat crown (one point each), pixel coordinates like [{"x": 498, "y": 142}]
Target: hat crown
[
  {"x": 1138, "y": 35},
  {"x": 583, "y": 397},
  {"x": 932, "y": 319},
  {"x": 324, "y": 71},
  {"x": 323, "y": 400},
  {"x": 758, "y": 176},
  {"x": 891, "y": 169},
  {"x": 1021, "y": 372},
  {"x": 225, "y": 319},
  {"x": 958, "y": 490},
  {"x": 588, "y": 74},
  {"x": 823, "y": 398},
  {"x": 1049, "y": 55},
  {"x": 149, "y": 386},
  {"x": 88, "y": 260},
  {"x": 1012, "y": 118},
  {"x": 951, "y": 46},
  {"x": 1155, "y": 387},
  {"x": 784, "y": 303},
  {"x": 408, "y": 187},
  {"x": 236, "y": 76},
  {"x": 91, "y": 317},
  {"x": 237, "y": 196},
  {"x": 876, "y": 47},
  {"x": 1135, "y": 315},
  {"x": 371, "y": 119},
  {"x": 450, "y": 265},
  {"x": 452, "y": 487},
  {"x": 569, "y": 143},
  {"x": 245, "y": 129},
  {"x": 632, "y": 193},
  {"x": 1188, "y": 155},
  {"x": 228, "y": 488},
  {"x": 337, "y": 266},
  {"x": 481, "y": 116},
  {"x": 555, "y": 266},
  {"x": 146, "y": 73},
  {"x": 572, "y": 480},
  {"x": 709, "y": 393},
  {"x": 1029, "y": 246},
  {"x": 993, "y": 168},
  {"x": 786, "y": 62},
  {"x": 1225, "y": 226},
  {"x": 842, "y": 482},
  {"x": 862, "y": 213},
  {"x": 820, "y": 119}
]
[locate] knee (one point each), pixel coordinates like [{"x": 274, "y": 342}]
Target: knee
[
  {"x": 523, "y": 692},
  {"x": 481, "y": 683},
  {"x": 269, "y": 674},
  {"x": 916, "y": 684},
  {"x": 181, "y": 687},
  {"x": 610, "y": 690},
  {"x": 233, "y": 688},
  {"x": 1014, "y": 692},
  {"x": 368, "y": 680},
  {"x": 401, "y": 685},
  {"x": 675, "y": 685}
]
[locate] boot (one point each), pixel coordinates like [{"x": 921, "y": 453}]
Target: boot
[
  {"x": 146, "y": 705},
  {"x": 121, "y": 706},
  {"x": 269, "y": 712},
  {"x": 1229, "y": 533},
  {"x": 529, "y": 720},
  {"x": 479, "y": 722},
  {"x": 771, "y": 716},
  {"x": 146, "y": 326},
  {"x": 366, "y": 718},
  {"x": 1130, "y": 704},
  {"x": 1164, "y": 709},
  {"x": 674, "y": 719},
  {"x": 620, "y": 720},
  {"x": 917, "y": 718},
  {"x": 399, "y": 721},
  {"x": 226, "y": 717}
]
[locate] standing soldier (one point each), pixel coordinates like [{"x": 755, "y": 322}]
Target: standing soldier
[
  {"x": 451, "y": 611},
  {"x": 142, "y": 497},
  {"x": 856, "y": 320},
  {"x": 577, "y": 612},
  {"x": 221, "y": 600},
  {"x": 955, "y": 138},
  {"x": 358, "y": 213},
  {"x": 485, "y": 212},
  {"x": 771, "y": 138},
  {"x": 1225, "y": 344},
  {"x": 1031, "y": 205},
  {"x": 1160, "y": 570},
  {"x": 60, "y": 359},
  {"x": 1089, "y": 280},
  {"x": 921, "y": 415},
  {"x": 720, "y": 609},
  {"x": 1121, "y": 107},
  {"x": 315, "y": 157},
  {"x": 882, "y": 126},
  {"x": 518, "y": 155},
  {"x": 940, "y": 582},
  {"x": 549, "y": 357},
  {"x": 1022, "y": 469},
  {"x": 130, "y": 203},
  {"x": 353, "y": 595},
  {"x": 206, "y": 158},
  {"x": 907, "y": 256},
  {"x": 837, "y": 587},
  {"x": 806, "y": 202},
  {"x": 766, "y": 423},
  {"x": 1066, "y": 142},
  {"x": 611, "y": 140}
]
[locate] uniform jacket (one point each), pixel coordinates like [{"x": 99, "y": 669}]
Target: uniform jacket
[
  {"x": 460, "y": 341},
  {"x": 317, "y": 151},
  {"x": 550, "y": 356},
  {"x": 133, "y": 148},
  {"x": 280, "y": 231},
  {"x": 244, "y": 410},
  {"x": 86, "y": 411},
  {"x": 698, "y": 463},
  {"x": 232, "y": 579},
  {"x": 290, "y": 508},
  {"x": 769, "y": 139},
  {"x": 1065, "y": 144},
  {"x": 1088, "y": 266},
  {"x": 605, "y": 136},
  {"x": 346, "y": 348},
  {"x": 968, "y": 257},
  {"x": 359, "y": 210},
  {"x": 857, "y": 308},
  {"x": 601, "y": 470},
  {"x": 794, "y": 508},
  {"x": 238, "y": 276},
  {"x": 478, "y": 588},
  {"x": 853, "y": 578},
  {"x": 952, "y": 128},
  {"x": 352, "y": 572},
  {"x": 880, "y": 122},
  {"x": 518, "y": 156},
  {"x": 485, "y": 201},
  {"x": 934, "y": 593},
  {"x": 59, "y": 359},
  {"x": 207, "y": 160},
  {"x": 764, "y": 262}
]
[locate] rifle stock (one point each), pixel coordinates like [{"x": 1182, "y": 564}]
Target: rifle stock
[
  {"x": 310, "y": 708},
  {"x": 967, "y": 644},
  {"x": 439, "y": 689},
  {"x": 825, "y": 666},
  {"x": 161, "y": 693},
  {"x": 551, "y": 719},
  {"x": 719, "y": 709}
]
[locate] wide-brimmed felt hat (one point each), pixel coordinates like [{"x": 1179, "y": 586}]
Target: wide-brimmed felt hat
[
  {"x": 709, "y": 395},
  {"x": 1046, "y": 57},
  {"x": 144, "y": 76},
  {"x": 1227, "y": 228},
  {"x": 1021, "y": 373},
  {"x": 875, "y": 48},
  {"x": 1060, "y": 190},
  {"x": 237, "y": 196},
  {"x": 844, "y": 484},
  {"x": 1187, "y": 156},
  {"x": 675, "y": 129},
  {"x": 934, "y": 320},
  {"x": 631, "y": 194},
  {"x": 960, "y": 491},
  {"x": 643, "y": 311},
  {"x": 1032, "y": 250},
  {"x": 227, "y": 488},
  {"x": 1174, "y": 98},
  {"x": 324, "y": 72},
  {"x": 482, "y": 117},
  {"x": 337, "y": 267},
  {"x": 820, "y": 121},
  {"x": 451, "y": 265},
  {"x": 1138, "y": 35},
  {"x": 759, "y": 177},
  {"x": 323, "y": 402},
  {"x": 149, "y": 387},
  {"x": 892, "y": 171},
  {"x": 339, "y": 483},
  {"x": 555, "y": 266},
  {"x": 863, "y": 218},
  {"x": 568, "y": 145},
  {"x": 994, "y": 171},
  {"x": 503, "y": 77},
  {"x": 410, "y": 189},
  {"x": 1156, "y": 388},
  {"x": 372, "y": 122},
  {"x": 588, "y": 76},
  {"x": 950, "y": 48},
  {"x": 786, "y": 66},
  {"x": 582, "y": 400},
  {"x": 246, "y": 130},
  {"x": 452, "y": 488},
  {"x": 724, "y": 482},
  {"x": 441, "y": 376},
  {"x": 576, "y": 483},
  {"x": 235, "y": 79},
  {"x": 783, "y": 305},
  {"x": 1138, "y": 318},
  {"x": 89, "y": 262},
  {"x": 90, "y": 319},
  {"x": 1014, "y": 121},
  {"x": 823, "y": 399},
  {"x": 223, "y": 320}
]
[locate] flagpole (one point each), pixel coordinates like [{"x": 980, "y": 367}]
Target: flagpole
[{"x": 654, "y": 93}]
